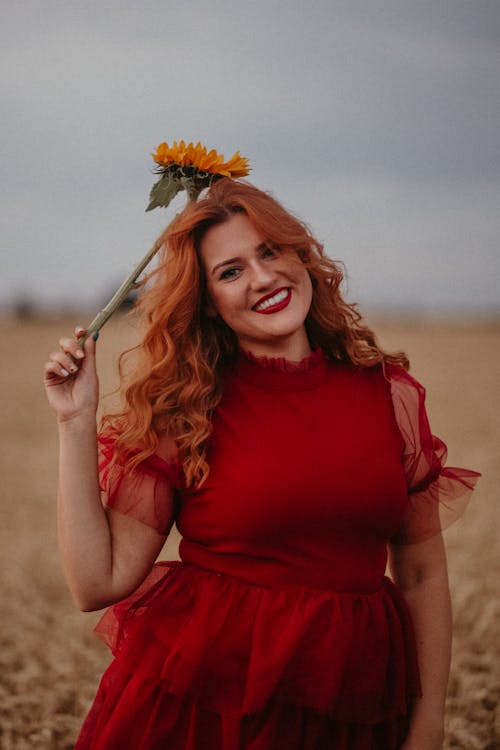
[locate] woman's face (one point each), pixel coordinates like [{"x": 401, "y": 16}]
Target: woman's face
[{"x": 261, "y": 292}]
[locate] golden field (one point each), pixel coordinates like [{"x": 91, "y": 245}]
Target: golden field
[{"x": 50, "y": 662}]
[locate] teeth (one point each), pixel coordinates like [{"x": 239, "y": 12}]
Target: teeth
[{"x": 273, "y": 300}]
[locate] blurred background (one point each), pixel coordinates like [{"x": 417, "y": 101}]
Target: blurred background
[{"x": 375, "y": 122}]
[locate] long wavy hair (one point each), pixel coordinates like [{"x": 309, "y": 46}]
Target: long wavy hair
[{"x": 177, "y": 378}]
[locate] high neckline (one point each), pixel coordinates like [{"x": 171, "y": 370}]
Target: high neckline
[{"x": 279, "y": 373}]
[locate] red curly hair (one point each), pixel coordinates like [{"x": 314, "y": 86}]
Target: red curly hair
[{"x": 176, "y": 383}]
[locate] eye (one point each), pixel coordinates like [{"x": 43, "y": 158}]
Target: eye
[
  {"x": 270, "y": 252},
  {"x": 229, "y": 273}
]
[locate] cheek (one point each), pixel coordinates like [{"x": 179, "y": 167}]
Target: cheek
[
  {"x": 223, "y": 301},
  {"x": 297, "y": 271},
  {"x": 306, "y": 284},
  {"x": 306, "y": 294}
]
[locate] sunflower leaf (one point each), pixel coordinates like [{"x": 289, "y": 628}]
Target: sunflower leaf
[{"x": 163, "y": 191}]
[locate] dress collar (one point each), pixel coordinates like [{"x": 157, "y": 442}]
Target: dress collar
[{"x": 278, "y": 373}]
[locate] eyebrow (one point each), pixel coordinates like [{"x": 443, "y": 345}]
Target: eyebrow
[
  {"x": 230, "y": 261},
  {"x": 225, "y": 263}
]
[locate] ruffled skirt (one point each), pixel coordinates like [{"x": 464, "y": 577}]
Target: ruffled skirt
[{"x": 205, "y": 661}]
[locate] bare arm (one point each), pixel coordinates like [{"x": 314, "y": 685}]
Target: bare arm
[
  {"x": 106, "y": 555},
  {"x": 420, "y": 571}
]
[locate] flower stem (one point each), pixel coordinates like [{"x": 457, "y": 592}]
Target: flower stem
[{"x": 120, "y": 295}]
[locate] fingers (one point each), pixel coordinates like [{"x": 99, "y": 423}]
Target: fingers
[
  {"x": 72, "y": 348},
  {"x": 53, "y": 373},
  {"x": 66, "y": 362},
  {"x": 90, "y": 344},
  {"x": 87, "y": 346},
  {"x": 62, "y": 363}
]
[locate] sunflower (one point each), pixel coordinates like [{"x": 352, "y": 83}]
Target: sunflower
[
  {"x": 182, "y": 167},
  {"x": 191, "y": 168}
]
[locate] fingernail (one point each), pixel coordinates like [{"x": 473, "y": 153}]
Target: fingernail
[
  {"x": 79, "y": 353},
  {"x": 64, "y": 372},
  {"x": 73, "y": 368},
  {"x": 96, "y": 335}
]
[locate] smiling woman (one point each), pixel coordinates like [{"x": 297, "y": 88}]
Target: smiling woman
[
  {"x": 263, "y": 293},
  {"x": 295, "y": 457}
]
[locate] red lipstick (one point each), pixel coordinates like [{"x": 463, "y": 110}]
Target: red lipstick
[{"x": 283, "y": 297}]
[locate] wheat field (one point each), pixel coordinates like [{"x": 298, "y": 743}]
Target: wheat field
[{"x": 50, "y": 662}]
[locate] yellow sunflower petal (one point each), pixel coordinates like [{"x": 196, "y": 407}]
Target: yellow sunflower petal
[
  {"x": 213, "y": 161},
  {"x": 237, "y": 166},
  {"x": 160, "y": 156},
  {"x": 197, "y": 156}
]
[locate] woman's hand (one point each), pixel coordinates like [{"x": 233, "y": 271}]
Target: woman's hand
[{"x": 70, "y": 378}]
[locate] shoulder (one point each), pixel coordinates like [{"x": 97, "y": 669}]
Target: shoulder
[
  {"x": 407, "y": 395},
  {"x": 397, "y": 376}
]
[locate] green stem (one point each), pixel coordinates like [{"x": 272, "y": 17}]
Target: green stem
[{"x": 120, "y": 295}]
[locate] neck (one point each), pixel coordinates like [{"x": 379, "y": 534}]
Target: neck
[{"x": 294, "y": 351}]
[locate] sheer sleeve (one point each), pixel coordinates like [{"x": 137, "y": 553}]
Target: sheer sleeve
[
  {"x": 437, "y": 494},
  {"x": 146, "y": 492}
]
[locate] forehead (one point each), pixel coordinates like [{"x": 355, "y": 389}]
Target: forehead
[{"x": 233, "y": 238}]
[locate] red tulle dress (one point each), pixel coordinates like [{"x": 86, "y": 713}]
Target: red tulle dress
[{"x": 278, "y": 630}]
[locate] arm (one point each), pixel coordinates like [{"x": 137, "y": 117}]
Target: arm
[
  {"x": 420, "y": 571},
  {"x": 106, "y": 555}
]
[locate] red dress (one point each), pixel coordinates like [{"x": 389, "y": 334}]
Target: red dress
[{"x": 278, "y": 629}]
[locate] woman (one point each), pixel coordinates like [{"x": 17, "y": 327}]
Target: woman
[{"x": 293, "y": 454}]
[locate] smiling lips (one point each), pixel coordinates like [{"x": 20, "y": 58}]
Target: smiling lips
[{"x": 273, "y": 302}]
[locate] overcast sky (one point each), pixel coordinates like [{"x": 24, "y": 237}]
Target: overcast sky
[{"x": 376, "y": 122}]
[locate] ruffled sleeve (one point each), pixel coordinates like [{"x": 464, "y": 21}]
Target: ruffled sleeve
[
  {"x": 145, "y": 492},
  {"x": 437, "y": 494}
]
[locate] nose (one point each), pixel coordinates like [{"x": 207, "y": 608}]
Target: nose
[{"x": 263, "y": 275}]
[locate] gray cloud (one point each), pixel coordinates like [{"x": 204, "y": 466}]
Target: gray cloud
[{"x": 377, "y": 122}]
